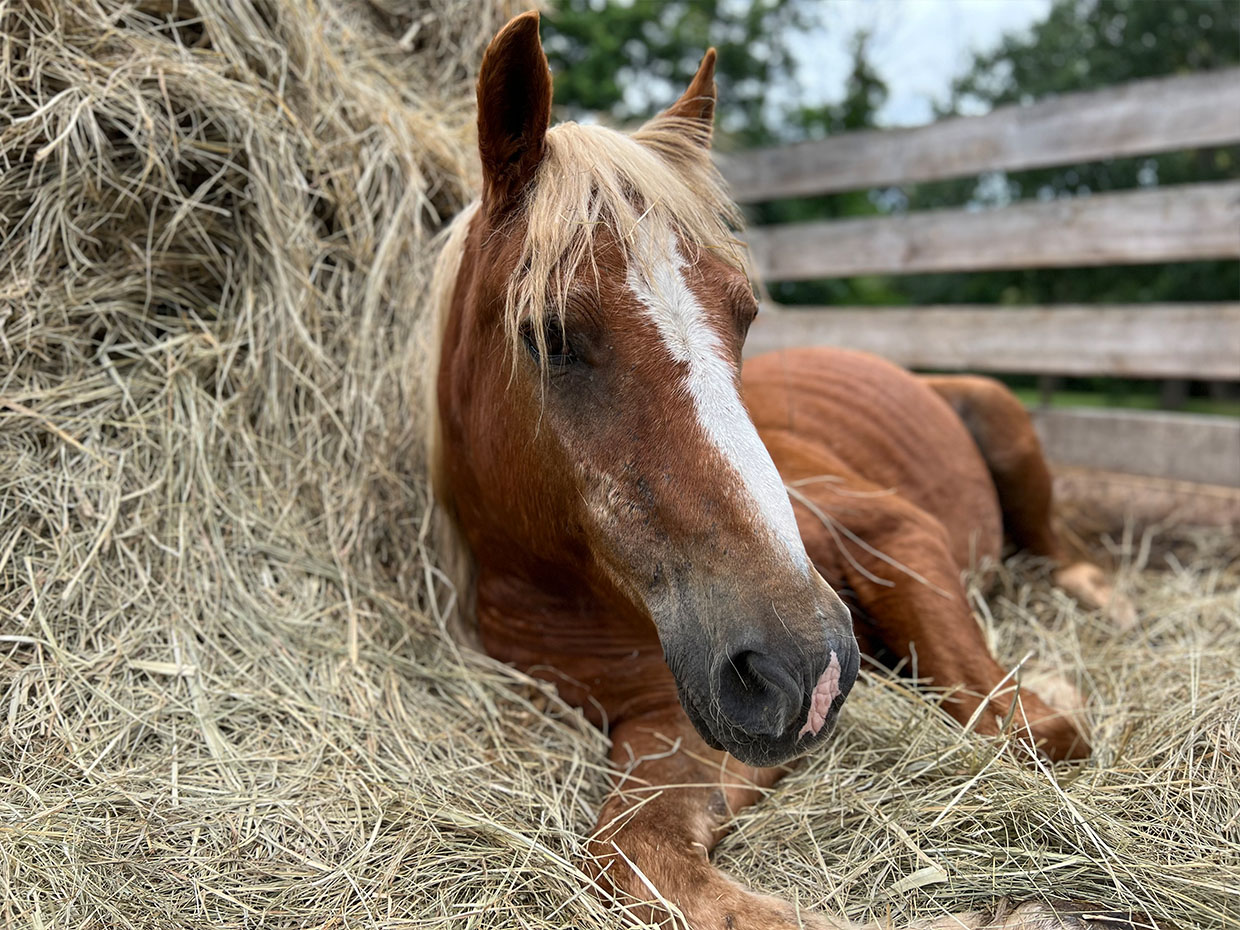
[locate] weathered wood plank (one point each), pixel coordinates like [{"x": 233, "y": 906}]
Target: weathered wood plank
[
  {"x": 1093, "y": 502},
  {"x": 1191, "y": 221},
  {"x": 1141, "y": 340},
  {"x": 1186, "y": 447},
  {"x": 1139, "y": 118}
]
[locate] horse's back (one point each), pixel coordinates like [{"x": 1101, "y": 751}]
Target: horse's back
[{"x": 828, "y": 411}]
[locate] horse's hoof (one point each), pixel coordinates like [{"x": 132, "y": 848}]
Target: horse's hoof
[
  {"x": 1054, "y": 689},
  {"x": 1089, "y": 585},
  {"x": 1064, "y": 915},
  {"x": 1061, "y": 740},
  {"x": 1050, "y": 727}
]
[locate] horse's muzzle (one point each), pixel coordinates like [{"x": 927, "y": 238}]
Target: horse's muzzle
[{"x": 767, "y": 698}]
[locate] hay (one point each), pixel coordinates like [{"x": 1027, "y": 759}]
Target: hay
[
  {"x": 225, "y": 695},
  {"x": 902, "y": 817}
]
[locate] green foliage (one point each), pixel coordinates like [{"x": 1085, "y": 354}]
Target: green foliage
[
  {"x": 630, "y": 59},
  {"x": 1085, "y": 44},
  {"x": 1082, "y": 45},
  {"x": 1088, "y": 44},
  {"x": 864, "y": 94}
]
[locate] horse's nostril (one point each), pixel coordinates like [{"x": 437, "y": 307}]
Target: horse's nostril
[{"x": 757, "y": 694}]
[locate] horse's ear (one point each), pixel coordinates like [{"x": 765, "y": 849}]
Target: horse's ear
[
  {"x": 514, "y": 109},
  {"x": 697, "y": 104}
]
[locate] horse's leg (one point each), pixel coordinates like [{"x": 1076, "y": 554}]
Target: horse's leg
[
  {"x": 672, "y": 803},
  {"x": 908, "y": 588},
  {"x": 1005, "y": 436}
]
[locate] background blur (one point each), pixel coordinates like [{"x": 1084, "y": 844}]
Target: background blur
[{"x": 792, "y": 70}]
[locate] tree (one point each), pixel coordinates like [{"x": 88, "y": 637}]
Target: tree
[
  {"x": 629, "y": 60},
  {"x": 1084, "y": 45}
]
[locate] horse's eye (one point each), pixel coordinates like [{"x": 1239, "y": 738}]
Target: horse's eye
[
  {"x": 559, "y": 351},
  {"x": 746, "y": 311},
  {"x": 744, "y": 303}
]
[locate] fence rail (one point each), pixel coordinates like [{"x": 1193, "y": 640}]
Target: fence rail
[
  {"x": 1130, "y": 340},
  {"x": 1182, "y": 223},
  {"x": 1140, "y": 118},
  {"x": 1190, "y": 447},
  {"x": 1166, "y": 224}
]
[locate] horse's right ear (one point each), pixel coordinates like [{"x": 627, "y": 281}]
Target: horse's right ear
[
  {"x": 695, "y": 110},
  {"x": 514, "y": 110}
]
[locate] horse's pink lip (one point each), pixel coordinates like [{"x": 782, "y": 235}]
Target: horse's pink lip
[{"x": 825, "y": 692}]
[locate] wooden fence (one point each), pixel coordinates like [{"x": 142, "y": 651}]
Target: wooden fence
[{"x": 1165, "y": 224}]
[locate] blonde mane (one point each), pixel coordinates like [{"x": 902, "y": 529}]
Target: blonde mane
[
  {"x": 595, "y": 178},
  {"x": 591, "y": 178}
]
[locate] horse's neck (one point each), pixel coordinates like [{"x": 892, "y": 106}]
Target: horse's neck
[
  {"x": 559, "y": 620},
  {"x": 562, "y": 605}
]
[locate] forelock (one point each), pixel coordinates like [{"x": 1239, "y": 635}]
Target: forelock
[{"x": 593, "y": 179}]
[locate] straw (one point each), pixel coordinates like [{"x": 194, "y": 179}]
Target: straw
[{"x": 226, "y": 695}]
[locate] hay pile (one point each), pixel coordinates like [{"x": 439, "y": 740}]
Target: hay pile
[{"x": 225, "y": 695}]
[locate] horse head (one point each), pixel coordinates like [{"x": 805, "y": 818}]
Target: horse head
[{"x": 595, "y": 448}]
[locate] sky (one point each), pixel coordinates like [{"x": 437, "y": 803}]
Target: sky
[{"x": 917, "y": 46}]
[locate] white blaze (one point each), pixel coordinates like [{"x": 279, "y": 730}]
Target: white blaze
[{"x": 654, "y": 276}]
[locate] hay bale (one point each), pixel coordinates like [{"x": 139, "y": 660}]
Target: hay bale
[{"x": 225, "y": 695}]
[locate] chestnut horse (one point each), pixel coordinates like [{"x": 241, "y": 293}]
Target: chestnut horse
[{"x": 625, "y": 505}]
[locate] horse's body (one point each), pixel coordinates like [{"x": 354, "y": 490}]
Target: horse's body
[
  {"x": 906, "y": 440},
  {"x": 631, "y": 534}
]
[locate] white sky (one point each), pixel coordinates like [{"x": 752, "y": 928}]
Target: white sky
[{"x": 917, "y": 46}]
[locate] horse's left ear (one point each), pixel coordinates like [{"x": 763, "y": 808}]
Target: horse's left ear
[
  {"x": 514, "y": 110},
  {"x": 697, "y": 104}
]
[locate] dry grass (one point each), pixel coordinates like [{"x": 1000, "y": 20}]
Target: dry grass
[
  {"x": 225, "y": 696},
  {"x": 903, "y": 816}
]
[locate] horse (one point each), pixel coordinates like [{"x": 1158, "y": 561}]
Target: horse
[{"x": 655, "y": 528}]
